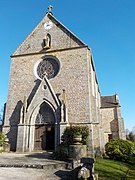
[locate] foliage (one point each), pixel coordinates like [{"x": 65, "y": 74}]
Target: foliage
[
  {"x": 111, "y": 169},
  {"x": 119, "y": 149},
  {"x": 130, "y": 135},
  {"x": 132, "y": 147},
  {"x": 71, "y": 131},
  {"x": 2, "y": 138}
]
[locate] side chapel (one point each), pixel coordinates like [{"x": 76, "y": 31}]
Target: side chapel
[{"x": 53, "y": 85}]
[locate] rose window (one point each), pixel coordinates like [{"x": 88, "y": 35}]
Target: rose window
[{"x": 49, "y": 67}]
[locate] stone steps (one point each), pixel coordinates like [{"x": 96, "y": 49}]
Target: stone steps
[
  {"x": 41, "y": 164},
  {"x": 33, "y": 160},
  {"x": 38, "y": 166}
]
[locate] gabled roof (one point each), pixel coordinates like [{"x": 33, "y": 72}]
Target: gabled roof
[
  {"x": 33, "y": 42},
  {"x": 109, "y": 101}
]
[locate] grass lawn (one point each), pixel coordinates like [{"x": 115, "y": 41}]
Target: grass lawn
[{"x": 108, "y": 169}]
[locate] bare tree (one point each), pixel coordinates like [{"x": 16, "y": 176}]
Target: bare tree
[
  {"x": 127, "y": 134},
  {"x": 133, "y": 129},
  {"x": 130, "y": 135}
]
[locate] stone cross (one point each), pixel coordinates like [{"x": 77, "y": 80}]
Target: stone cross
[{"x": 50, "y": 9}]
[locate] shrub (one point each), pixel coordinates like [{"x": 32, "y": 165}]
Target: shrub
[
  {"x": 2, "y": 138},
  {"x": 69, "y": 133},
  {"x": 132, "y": 147},
  {"x": 119, "y": 149}
]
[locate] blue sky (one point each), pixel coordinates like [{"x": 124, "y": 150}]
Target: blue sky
[{"x": 107, "y": 27}]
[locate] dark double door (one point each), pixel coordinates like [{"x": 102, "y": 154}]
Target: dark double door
[{"x": 44, "y": 137}]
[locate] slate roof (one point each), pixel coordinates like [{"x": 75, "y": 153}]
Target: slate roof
[{"x": 109, "y": 101}]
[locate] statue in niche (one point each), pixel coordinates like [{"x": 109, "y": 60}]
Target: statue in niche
[{"x": 47, "y": 41}]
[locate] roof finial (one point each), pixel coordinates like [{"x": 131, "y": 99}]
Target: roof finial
[
  {"x": 117, "y": 98},
  {"x": 50, "y": 9}
]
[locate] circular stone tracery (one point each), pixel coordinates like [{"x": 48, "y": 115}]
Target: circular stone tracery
[{"x": 48, "y": 67}]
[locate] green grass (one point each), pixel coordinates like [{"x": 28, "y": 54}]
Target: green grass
[{"x": 108, "y": 169}]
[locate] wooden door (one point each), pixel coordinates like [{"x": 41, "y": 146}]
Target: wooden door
[
  {"x": 39, "y": 137},
  {"x": 110, "y": 137}
]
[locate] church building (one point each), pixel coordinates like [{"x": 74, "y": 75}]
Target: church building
[{"x": 52, "y": 85}]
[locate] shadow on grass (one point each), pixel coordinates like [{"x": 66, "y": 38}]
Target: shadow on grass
[
  {"x": 111, "y": 169},
  {"x": 131, "y": 172}
]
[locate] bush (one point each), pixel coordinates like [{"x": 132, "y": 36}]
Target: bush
[
  {"x": 132, "y": 147},
  {"x": 118, "y": 149},
  {"x": 2, "y": 138},
  {"x": 69, "y": 133}
]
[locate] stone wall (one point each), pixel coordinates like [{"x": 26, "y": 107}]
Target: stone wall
[
  {"x": 110, "y": 123},
  {"x": 73, "y": 80}
]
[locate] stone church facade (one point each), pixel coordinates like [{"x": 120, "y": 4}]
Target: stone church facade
[{"x": 53, "y": 85}]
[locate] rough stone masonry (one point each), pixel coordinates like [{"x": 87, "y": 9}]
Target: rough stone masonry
[{"x": 52, "y": 85}]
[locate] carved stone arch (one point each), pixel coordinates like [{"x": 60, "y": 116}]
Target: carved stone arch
[
  {"x": 37, "y": 109},
  {"x": 34, "y": 132},
  {"x": 42, "y": 127}
]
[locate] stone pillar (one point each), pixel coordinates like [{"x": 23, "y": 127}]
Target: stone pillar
[
  {"x": 77, "y": 151},
  {"x": 6, "y": 145},
  {"x": 90, "y": 141},
  {"x": 31, "y": 137},
  {"x": 21, "y": 138},
  {"x": 63, "y": 125},
  {"x": 64, "y": 111}
]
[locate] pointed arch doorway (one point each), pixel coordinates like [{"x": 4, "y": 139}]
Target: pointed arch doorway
[{"x": 45, "y": 128}]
